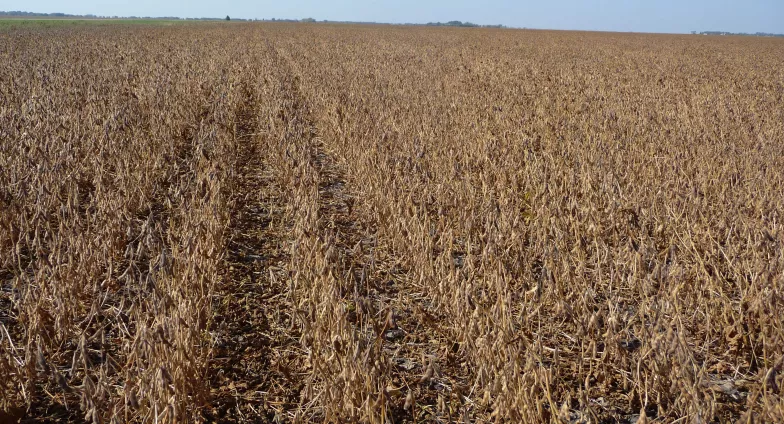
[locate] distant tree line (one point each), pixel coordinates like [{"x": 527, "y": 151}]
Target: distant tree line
[
  {"x": 449, "y": 24},
  {"x": 462, "y": 24},
  {"x": 756, "y": 34},
  {"x": 20, "y": 14}
]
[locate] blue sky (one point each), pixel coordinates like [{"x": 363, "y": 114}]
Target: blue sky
[{"x": 609, "y": 15}]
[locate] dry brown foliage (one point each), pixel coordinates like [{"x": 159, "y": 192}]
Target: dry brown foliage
[{"x": 314, "y": 223}]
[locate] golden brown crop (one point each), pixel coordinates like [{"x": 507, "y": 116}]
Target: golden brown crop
[{"x": 322, "y": 223}]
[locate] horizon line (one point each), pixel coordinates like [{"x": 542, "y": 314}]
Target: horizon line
[{"x": 453, "y": 23}]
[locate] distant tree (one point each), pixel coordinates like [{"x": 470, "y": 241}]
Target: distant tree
[
  {"x": 309, "y": 20},
  {"x": 228, "y": 18},
  {"x": 461, "y": 24}
]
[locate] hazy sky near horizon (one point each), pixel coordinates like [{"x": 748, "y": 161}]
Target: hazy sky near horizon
[{"x": 608, "y": 15}]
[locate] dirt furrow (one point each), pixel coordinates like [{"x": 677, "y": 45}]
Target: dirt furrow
[{"x": 255, "y": 341}]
